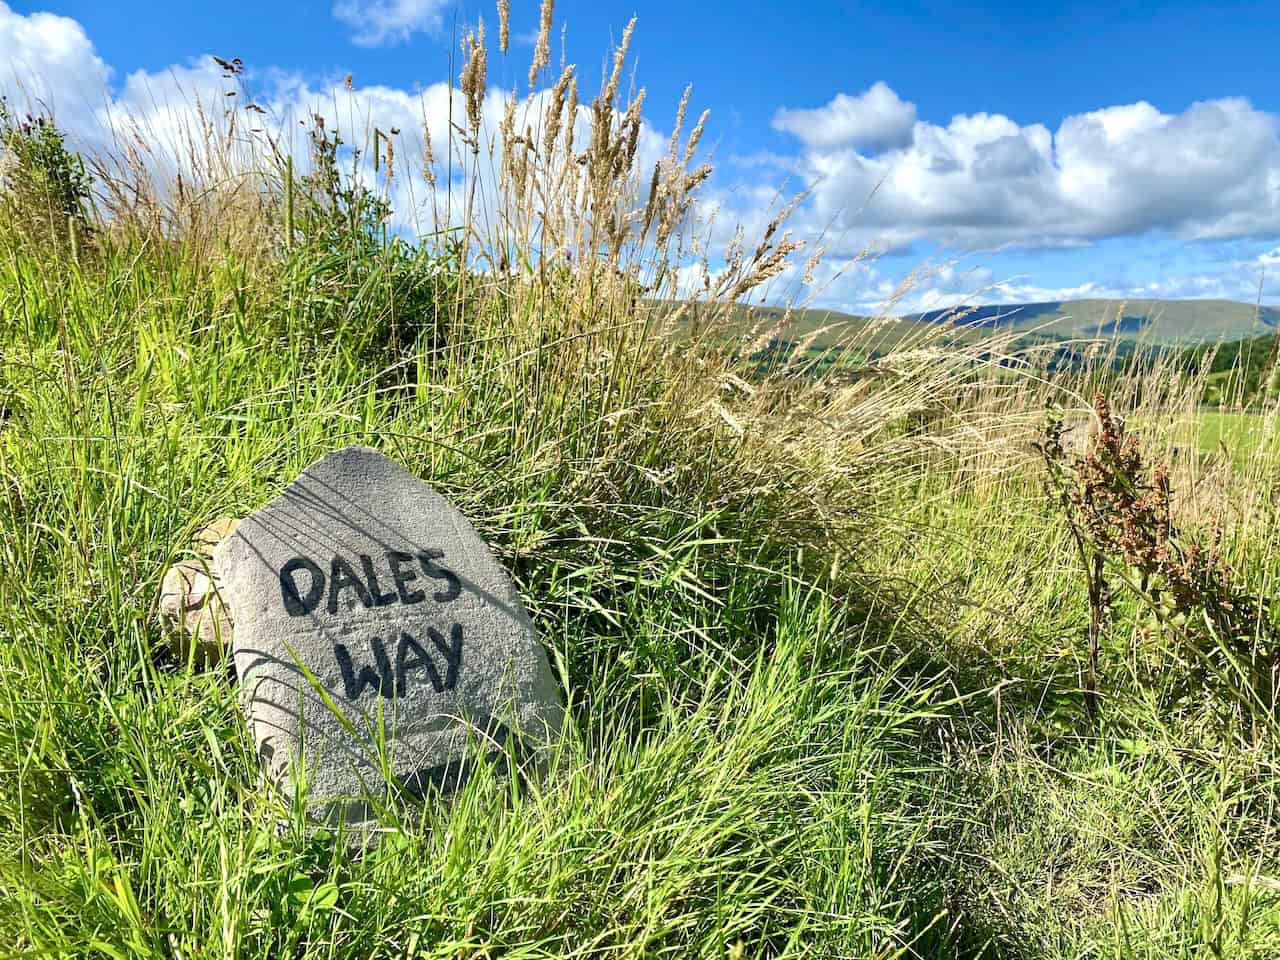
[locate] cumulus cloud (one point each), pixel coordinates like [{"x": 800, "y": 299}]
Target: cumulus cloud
[
  {"x": 387, "y": 22},
  {"x": 983, "y": 181},
  {"x": 48, "y": 61},
  {"x": 877, "y": 118}
]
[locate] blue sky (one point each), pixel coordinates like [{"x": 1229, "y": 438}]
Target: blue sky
[{"x": 1002, "y": 152}]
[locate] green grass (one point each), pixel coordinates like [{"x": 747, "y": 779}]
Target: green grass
[
  {"x": 821, "y": 638},
  {"x": 1129, "y": 836},
  {"x": 891, "y": 762},
  {"x": 1241, "y": 435},
  {"x": 736, "y": 733}
]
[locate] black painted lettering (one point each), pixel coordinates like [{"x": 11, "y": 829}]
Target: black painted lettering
[
  {"x": 404, "y": 577},
  {"x": 453, "y": 587},
  {"x": 294, "y": 602},
  {"x": 451, "y": 651},
  {"x": 379, "y": 599},
  {"x": 341, "y": 576},
  {"x": 381, "y": 679},
  {"x": 420, "y": 659}
]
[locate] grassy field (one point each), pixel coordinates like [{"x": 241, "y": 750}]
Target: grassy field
[
  {"x": 1242, "y": 435},
  {"x": 823, "y": 639}
]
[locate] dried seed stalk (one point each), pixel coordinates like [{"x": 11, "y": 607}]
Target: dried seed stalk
[{"x": 542, "y": 49}]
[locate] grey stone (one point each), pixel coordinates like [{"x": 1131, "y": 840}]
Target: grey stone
[{"x": 368, "y": 611}]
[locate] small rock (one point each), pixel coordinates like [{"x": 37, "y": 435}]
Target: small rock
[
  {"x": 192, "y": 611},
  {"x": 213, "y": 533}
]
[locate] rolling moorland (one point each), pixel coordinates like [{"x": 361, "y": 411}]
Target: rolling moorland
[
  {"x": 1066, "y": 334},
  {"x": 944, "y": 648},
  {"x": 1159, "y": 323},
  {"x": 1154, "y": 323}
]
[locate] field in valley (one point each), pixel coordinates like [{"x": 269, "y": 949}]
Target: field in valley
[
  {"x": 1240, "y": 436},
  {"x": 824, "y": 639}
]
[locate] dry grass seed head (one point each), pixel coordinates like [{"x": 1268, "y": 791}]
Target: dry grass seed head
[
  {"x": 811, "y": 264},
  {"x": 619, "y": 58},
  {"x": 631, "y": 122},
  {"x": 555, "y": 112},
  {"x": 542, "y": 49},
  {"x": 762, "y": 340},
  {"x": 507, "y": 129},
  {"x": 571, "y": 113},
  {"x": 473, "y": 80},
  {"x": 695, "y": 136},
  {"x": 679, "y": 124},
  {"x": 504, "y": 24},
  {"x": 428, "y": 161}
]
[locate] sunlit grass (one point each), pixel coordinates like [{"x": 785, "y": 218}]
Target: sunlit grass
[
  {"x": 819, "y": 630},
  {"x": 1238, "y": 434}
]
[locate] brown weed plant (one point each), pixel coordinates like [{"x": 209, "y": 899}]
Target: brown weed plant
[{"x": 1117, "y": 508}]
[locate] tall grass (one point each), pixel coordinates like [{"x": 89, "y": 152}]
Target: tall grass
[{"x": 819, "y": 634}]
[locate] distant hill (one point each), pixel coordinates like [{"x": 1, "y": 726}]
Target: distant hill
[
  {"x": 1149, "y": 322},
  {"x": 1136, "y": 326},
  {"x": 820, "y": 329}
]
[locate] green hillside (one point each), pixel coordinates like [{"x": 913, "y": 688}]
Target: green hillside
[
  {"x": 1152, "y": 322},
  {"x": 1066, "y": 328},
  {"x": 821, "y": 328},
  {"x": 1142, "y": 322}
]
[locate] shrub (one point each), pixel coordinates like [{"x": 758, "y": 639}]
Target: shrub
[{"x": 44, "y": 188}]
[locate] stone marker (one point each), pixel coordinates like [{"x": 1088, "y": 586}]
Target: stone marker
[{"x": 363, "y": 581}]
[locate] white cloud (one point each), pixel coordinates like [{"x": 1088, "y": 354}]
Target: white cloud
[
  {"x": 876, "y": 118},
  {"x": 984, "y": 181},
  {"x": 387, "y": 22},
  {"x": 48, "y": 62}
]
